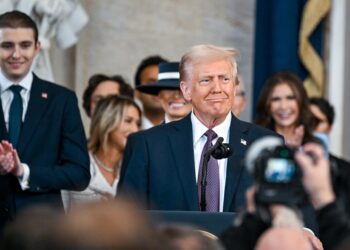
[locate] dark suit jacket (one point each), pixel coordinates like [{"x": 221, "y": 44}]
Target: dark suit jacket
[
  {"x": 341, "y": 181},
  {"x": 158, "y": 166},
  {"x": 53, "y": 144}
]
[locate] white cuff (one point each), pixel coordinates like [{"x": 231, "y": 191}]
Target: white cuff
[{"x": 24, "y": 180}]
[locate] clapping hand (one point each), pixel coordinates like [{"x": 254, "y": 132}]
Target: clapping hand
[{"x": 9, "y": 160}]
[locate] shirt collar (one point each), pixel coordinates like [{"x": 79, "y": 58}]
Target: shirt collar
[
  {"x": 26, "y": 82},
  {"x": 222, "y": 130},
  {"x": 167, "y": 118},
  {"x": 146, "y": 123}
]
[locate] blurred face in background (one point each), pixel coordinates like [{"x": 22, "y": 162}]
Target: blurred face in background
[
  {"x": 105, "y": 88},
  {"x": 239, "y": 101},
  {"x": 174, "y": 104},
  {"x": 284, "y": 107},
  {"x": 150, "y": 102},
  {"x": 130, "y": 123}
]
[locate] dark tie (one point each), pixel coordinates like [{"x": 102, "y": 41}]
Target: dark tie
[
  {"x": 213, "y": 182},
  {"x": 15, "y": 115}
]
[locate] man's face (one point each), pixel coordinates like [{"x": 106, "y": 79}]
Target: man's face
[
  {"x": 17, "y": 51},
  {"x": 105, "y": 88},
  {"x": 239, "y": 101},
  {"x": 174, "y": 104},
  {"x": 149, "y": 75},
  {"x": 211, "y": 87}
]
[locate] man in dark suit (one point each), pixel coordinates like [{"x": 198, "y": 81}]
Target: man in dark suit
[
  {"x": 324, "y": 112},
  {"x": 162, "y": 166},
  {"x": 43, "y": 146}
]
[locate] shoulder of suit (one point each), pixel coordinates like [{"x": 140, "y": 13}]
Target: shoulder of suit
[
  {"x": 340, "y": 161},
  {"x": 254, "y": 128},
  {"x": 160, "y": 130},
  {"x": 56, "y": 88}
]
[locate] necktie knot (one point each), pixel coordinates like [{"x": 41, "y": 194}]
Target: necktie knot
[
  {"x": 16, "y": 89},
  {"x": 210, "y": 134}
]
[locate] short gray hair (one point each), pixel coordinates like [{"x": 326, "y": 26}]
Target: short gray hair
[{"x": 206, "y": 52}]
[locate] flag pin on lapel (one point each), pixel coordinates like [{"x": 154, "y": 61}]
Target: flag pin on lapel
[
  {"x": 44, "y": 95},
  {"x": 244, "y": 142}
]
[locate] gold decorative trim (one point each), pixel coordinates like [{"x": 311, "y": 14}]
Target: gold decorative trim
[{"x": 314, "y": 11}]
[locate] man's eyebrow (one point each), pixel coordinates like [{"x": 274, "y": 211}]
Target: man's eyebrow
[
  {"x": 6, "y": 42},
  {"x": 21, "y": 42}
]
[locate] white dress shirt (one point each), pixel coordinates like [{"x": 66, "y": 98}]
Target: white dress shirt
[
  {"x": 167, "y": 118},
  {"x": 146, "y": 123},
  {"x": 199, "y": 140},
  {"x": 6, "y": 99},
  {"x": 7, "y": 94}
]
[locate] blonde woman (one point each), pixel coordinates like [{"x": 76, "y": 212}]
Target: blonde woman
[{"x": 114, "y": 119}]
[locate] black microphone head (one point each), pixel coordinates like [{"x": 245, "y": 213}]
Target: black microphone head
[
  {"x": 220, "y": 140},
  {"x": 222, "y": 150}
]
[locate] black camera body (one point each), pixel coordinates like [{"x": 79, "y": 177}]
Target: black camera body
[{"x": 277, "y": 177}]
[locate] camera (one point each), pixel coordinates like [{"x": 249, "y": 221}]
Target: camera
[{"x": 277, "y": 177}]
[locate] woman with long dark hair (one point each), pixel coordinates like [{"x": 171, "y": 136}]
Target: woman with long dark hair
[{"x": 283, "y": 106}]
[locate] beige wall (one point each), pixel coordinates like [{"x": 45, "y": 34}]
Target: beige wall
[{"x": 121, "y": 33}]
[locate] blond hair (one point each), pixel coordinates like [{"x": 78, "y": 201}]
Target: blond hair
[
  {"x": 203, "y": 52},
  {"x": 108, "y": 115}
]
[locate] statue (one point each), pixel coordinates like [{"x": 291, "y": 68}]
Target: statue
[{"x": 56, "y": 19}]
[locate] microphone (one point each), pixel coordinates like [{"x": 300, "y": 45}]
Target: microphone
[{"x": 219, "y": 150}]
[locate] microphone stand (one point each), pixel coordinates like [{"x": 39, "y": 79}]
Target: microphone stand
[{"x": 203, "y": 203}]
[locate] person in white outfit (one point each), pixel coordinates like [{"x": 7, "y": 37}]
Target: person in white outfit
[{"x": 114, "y": 119}]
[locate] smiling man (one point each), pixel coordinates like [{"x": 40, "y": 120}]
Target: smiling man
[
  {"x": 167, "y": 88},
  {"x": 162, "y": 166},
  {"x": 43, "y": 145}
]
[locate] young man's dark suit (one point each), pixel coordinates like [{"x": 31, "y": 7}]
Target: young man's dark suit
[
  {"x": 53, "y": 144},
  {"x": 158, "y": 166}
]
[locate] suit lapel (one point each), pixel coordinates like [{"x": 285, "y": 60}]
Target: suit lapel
[
  {"x": 3, "y": 130},
  {"x": 37, "y": 104},
  {"x": 238, "y": 140},
  {"x": 181, "y": 143}
]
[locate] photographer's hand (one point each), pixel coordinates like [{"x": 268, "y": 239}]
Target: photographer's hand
[
  {"x": 316, "y": 175},
  {"x": 250, "y": 199}
]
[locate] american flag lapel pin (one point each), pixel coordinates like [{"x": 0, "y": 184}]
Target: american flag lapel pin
[
  {"x": 244, "y": 142},
  {"x": 44, "y": 95}
]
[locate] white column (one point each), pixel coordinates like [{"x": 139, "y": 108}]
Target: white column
[{"x": 336, "y": 76}]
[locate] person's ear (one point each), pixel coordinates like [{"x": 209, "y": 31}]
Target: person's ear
[
  {"x": 186, "y": 90},
  {"x": 137, "y": 94},
  {"x": 157, "y": 98},
  {"x": 234, "y": 90},
  {"x": 37, "y": 47}
]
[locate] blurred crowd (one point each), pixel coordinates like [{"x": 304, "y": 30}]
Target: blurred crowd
[{"x": 144, "y": 151}]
